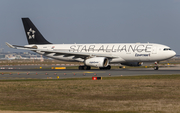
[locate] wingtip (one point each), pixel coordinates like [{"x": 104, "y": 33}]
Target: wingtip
[{"x": 9, "y": 45}]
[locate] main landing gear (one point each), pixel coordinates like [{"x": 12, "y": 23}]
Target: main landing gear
[
  {"x": 105, "y": 68},
  {"x": 156, "y": 67},
  {"x": 84, "y": 67},
  {"x": 89, "y": 67}
]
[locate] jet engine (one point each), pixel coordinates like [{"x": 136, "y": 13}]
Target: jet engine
[
  {"x": 97, "y": 62},
  {"x": 133, "y": 63}
]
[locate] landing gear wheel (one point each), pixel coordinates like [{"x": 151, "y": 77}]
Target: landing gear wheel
[
  {"x": 105, "y": 68},
  {"x": 156, "y": 67},
  {"x": 108, "y": 67},
  {"x": 81, "y": 67},
  {"x": 84, "y": 67},
  {"x": 101, "y": 68},
  {"x": 88, "y": 68}
]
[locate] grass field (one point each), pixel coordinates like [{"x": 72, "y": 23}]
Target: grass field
[{"x": 137, "y": 94}]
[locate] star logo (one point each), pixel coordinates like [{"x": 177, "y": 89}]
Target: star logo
[{"x": 31, "y": 33}]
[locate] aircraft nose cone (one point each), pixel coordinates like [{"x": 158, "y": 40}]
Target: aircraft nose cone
[{"x": 173, "y": 53}]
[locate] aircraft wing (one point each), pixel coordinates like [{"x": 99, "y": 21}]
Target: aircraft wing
[
  {"x": 65, "y": 53},
  {"x": 19, "y": 47},
  {"x": 78, "y": 54}
]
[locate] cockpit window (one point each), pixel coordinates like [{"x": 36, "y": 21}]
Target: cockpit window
[{"x": 166, "y": 49}]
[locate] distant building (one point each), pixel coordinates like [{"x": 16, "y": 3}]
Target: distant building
[
  {"x": 20, "y": 55},
  {"x": 2, "y": 56}
]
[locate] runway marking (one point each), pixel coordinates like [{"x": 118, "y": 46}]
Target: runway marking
[
  {"x": 15, "y": 78},
  {"x": 90, "y": 72}
]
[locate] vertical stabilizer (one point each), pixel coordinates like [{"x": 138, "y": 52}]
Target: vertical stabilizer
[{"x": 32, "y": 33}]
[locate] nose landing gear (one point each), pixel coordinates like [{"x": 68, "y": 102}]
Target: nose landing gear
[{"x": 156, "y": 67}]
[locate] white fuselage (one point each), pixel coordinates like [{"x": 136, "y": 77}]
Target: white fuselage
[{"x": 124, "y": 52}]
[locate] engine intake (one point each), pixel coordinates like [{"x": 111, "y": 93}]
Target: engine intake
[{"x": 97, "y": 62}]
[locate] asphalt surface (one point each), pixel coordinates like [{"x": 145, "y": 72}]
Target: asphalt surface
[{"x": 23, "y": 73}]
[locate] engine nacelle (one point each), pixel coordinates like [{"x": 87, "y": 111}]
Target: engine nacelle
[
  {"x": 133, "y": 63},
  {"x": 97, "y": 62}
]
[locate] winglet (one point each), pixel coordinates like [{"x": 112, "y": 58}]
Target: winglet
[{"x": 9, "y": 45}]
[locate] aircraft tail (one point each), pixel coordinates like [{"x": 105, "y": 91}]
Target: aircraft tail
[{"x": 32, "y": 33}]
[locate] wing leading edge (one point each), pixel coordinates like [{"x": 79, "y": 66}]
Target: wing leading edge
[{"x": 66, "y": 53}]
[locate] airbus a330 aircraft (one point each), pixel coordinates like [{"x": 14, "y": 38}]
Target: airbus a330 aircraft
[{"x": 97, "y": 55}]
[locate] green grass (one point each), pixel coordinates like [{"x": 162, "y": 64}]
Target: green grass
[{"x": 130, "y": 94}]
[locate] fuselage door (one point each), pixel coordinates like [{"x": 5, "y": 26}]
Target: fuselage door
[{"x": 154, "y": 50}]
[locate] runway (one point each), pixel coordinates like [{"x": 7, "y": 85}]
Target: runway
[{"x": 73, "y": 73}]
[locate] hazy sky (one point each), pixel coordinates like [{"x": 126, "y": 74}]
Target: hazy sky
[{"x": 93, "y": 21}]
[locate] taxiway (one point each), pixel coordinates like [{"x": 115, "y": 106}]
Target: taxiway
[{"x": 73, "y": 73}]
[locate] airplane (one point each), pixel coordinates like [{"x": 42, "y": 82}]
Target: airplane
[{"x": 96, "y": 55}]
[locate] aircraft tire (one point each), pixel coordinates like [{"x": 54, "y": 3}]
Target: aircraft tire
[
  {"x": 84, "y": 67},
  {"x": 156, "y": 67},
  {"x": 88, "y": 68},
  {"x": 108, "y": 67},
  {"x": 81, "y": 67},
  {"x": 105, "y": 68},
  {"x": 100, "y": 68}
]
